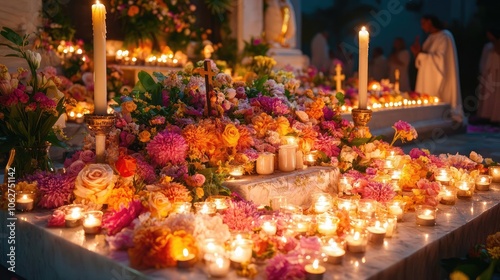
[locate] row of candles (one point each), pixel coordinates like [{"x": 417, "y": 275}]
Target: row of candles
[
  {"x": 167, "y": 60},
  {"x": 398, "y": 104}
]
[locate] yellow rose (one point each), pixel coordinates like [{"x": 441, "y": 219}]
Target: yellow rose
[
  {"x": 94, "y": 184},
  {"x": 144, "y": 136},
  {"x": 200, "y": 192},
  {"x": 231, "y": 135},
  {"x": 128, "y": 106},
  {"x": 159, "y": 205}
]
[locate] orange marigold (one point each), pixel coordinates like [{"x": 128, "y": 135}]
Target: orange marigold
[
  {"x": 282, "y": 126},
  {"x": 120, "y": 196},
  {"x": 176, "y": 192},
  {"x": 151, "y": 248},
  {"x": 198, "y": 139}
]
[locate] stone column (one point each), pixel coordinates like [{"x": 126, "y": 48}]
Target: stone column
[{"x": 250, "y": 20}]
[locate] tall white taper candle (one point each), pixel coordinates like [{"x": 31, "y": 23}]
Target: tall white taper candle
[
  {"x": 364, "y": 38},
  {"x": 100, "y": 91}
]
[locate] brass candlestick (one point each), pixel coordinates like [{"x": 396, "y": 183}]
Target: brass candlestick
[
  {"x": 361, "y": 117},
  {"x": 101, "y": 125}
]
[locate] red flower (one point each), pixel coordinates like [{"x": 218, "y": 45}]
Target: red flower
[{"x": 126, "y": 166}]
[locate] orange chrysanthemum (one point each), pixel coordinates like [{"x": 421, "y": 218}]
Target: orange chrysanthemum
[
  {"x": 307, "y": 137},
  {"x": 132, "y": 11},
  {"x": 199, "y": 141},
  {"x": 315, "y": 109},
  {"x": 246, "y": 139},
  {"x": 151, "y": 248},
  {"x": 262, "y": 123}
]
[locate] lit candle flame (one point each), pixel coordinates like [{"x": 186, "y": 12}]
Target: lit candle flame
[
  {"x": 185, "y": 252},
  {"x": 315, "y": 264}
]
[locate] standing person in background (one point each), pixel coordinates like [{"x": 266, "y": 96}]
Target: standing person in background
[
  {"x": 489, "y": 80},
  {"x": 320, "y": 56},
  {"x": 437, "y": 64},
  {"x": 378, "y": 65},
  {"x": 400, "y": 60}
]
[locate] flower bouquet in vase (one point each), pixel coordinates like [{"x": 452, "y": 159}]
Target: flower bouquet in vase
[{"x": 30, "y": 106}]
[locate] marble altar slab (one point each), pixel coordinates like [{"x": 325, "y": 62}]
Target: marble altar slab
[
  {"x": 297, "y": 186},
  {"x": 414, "y": 252}
]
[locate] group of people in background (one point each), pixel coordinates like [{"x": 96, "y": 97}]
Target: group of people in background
[{"x": 437, "y": 64}]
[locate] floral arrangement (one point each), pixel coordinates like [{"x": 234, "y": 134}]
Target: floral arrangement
[
  {"x": 151, "y": 20},
  {"x": 30, "y": 105}
]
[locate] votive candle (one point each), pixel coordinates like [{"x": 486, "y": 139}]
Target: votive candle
[
  {"x": 92, "y": 222},
  {"x": 24, "y": 202},
  {"x": 483, "y": 182},
  {"x": 494, "y": 172},
  {"x": 314, "y": 271},
  {"x": 426, "y": 216},
  {"x": 356, "y": 243}
]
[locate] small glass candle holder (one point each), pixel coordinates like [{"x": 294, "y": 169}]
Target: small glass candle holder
[
  {"x": 291, "y": 209},
  {"x": 376, "y": 233},
  {"x": 494, "y": 172},
  {"x": 25, "y": 201},
  {"x": 236, "y": 170},
  {"x": 358, "y": 224},
  {"x": 73, "y": 216},
  {"x": 277, "y": 201},
  {"x": 211, "y": 246},
  {"x": 390, "y": 225},
  {"x": 347, "y": 204},
  {"x": 240, "y": 251},
  {"x": 366, "y": 208},
  {"x": 442, "y": 176},
  {"x": 268, "y": 225},
  {"x": 425, "y": 215},
  {"x": 483, "y": 182},
  {"x": 464, "y": 189},
  {"x": 448, "y": 196},
  {"x": 314, "y": 271},
  {"x": 322, "y": 202},
  {"x": 186, "y": 260},
  {"x": 92, "y": 221},
  {"x": 327, "y": 224},
  {"x": 206, "y": 208},
  {"x": 356, "y": 242},
  {"x": 265, "y": 164},
  {"x": 221, "y": 201},
  {"x": 396, "y": 208},
  {"x": 181, "y": 207},
  {"x": 301, "y": 224},
  {"x": 395, "y": 177},
  {"x": 217, "y": 265},
  {"x": 310, "y": 158},
  {"x": 334, "y": 251}
]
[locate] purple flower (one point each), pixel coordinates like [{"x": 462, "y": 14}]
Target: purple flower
[
  {"x": 175, "y": 171},
  {"x": 122, "y": 240},
  {"x": 416, "y": 153},
  {"x": 114, "y": 221},
  {"x": 75, "y": 168},
  {"x": 56, "y": 190},
  {"x": 144, "y": 170},
  {"x": 270, "y": 105},
  {"x": 281, "y": 268},
  {"x": 87, "y": 156},
  {"x": 167, "y": 147},
  {"x": 328, "y": 113}
]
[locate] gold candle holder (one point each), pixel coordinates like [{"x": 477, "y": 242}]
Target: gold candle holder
[
  {"x": 361, "y": 117},
  {"x": 100, "y": 125}
]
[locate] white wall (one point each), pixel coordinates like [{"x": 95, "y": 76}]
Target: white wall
[{"x": 22, "y": 16}]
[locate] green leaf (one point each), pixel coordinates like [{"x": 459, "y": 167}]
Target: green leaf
[
  {"x": 12, "y": 36},
  {"x": 340, "y": 97}
]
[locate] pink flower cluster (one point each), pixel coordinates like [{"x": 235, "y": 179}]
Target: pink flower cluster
[
  {"x": 114, "y": 221},
  {"x": 240, "y": 216},
  {"x": 167, "y": 147},
  {"x": 430, "y": 191}
]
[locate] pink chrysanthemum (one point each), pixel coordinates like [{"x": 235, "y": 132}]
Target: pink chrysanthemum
[
  {"x": 240, "y": 216},
  {"x": 381, "y": 192},
  {"x": 114, "y": 221},
  {"x": 167, "y": 147},
  {"x": 328, "y": 145},
  {"x": 56, "y": 190},
  {"x": 280, "y": 267},
  {"x": 145, "y": 171},
  {"x": 57, "y": 219}
]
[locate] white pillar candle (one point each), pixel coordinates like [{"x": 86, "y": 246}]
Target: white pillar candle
[
  {"x": 265, "y": 164},
  {"x": 287, "y": 158},
  {"x": 364, "y": 38},
  {"x": 100, "y": 91}
]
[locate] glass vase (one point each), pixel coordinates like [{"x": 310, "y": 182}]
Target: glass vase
[{"x": 27, "y": 160}]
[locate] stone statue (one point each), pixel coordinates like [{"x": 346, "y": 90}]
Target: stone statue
[{"x": 279, "y": 28}]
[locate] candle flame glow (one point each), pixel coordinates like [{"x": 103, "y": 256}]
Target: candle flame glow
[
  {"x": 185, "y": 252},
  {"x": 315, "y": 264},
  {"x": 356, "y": 236},
  {"x": 219, "y": 262},
  {"x": 24, "y": 197}
]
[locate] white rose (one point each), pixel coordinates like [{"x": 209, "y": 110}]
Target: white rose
[{"x": 94, "y": 183}]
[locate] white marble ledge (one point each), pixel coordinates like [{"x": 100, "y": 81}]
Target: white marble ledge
[
  {"x": 297, "y": 186},
  {"x": 413, "y": 253}
]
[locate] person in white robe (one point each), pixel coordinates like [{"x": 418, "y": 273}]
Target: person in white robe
[
  {"x": 437, "y": 64},
  {"x": 489, "y": 80},
  {"x": 320, "y": 55},
  {"x": 280, "y": 24},
  {"x": 378, "y": 66}
]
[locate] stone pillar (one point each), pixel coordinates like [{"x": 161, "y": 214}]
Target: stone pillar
[{"x": 250, "y": 16}]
